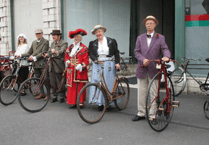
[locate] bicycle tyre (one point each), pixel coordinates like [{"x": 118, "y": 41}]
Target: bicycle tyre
[
  {"x": 157, "y": 118},
  {"x": 89, "y": 113},
  {"x": 8, "y": 90},
  {"x": 122, "y": 89},
  {"x": 178, "y": 78},
  {"x": 32, "y": 88},
  {"x": 206, "y": 109}
]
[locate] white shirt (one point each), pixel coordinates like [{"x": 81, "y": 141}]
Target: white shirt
[
  {"x": 20, "y": 50},
  {"x": 102, "y": 47},
  {"x": 149, "y": 39},
  {"x": 75, "y": 48}
]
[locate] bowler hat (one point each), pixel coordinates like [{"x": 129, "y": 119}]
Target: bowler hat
[
  {"x": 56, "y": 32},
  {"x": 150, "y": 17},
  {"x": 98, "y": 27}
]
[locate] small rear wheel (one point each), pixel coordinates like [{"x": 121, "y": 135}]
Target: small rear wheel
[
  {"x": 37, "y": 95},
  {"x": 159, "y": 110},
  {"x": 91, "y": 95},
  {"x": 206, "y": 109},
  {"x": 8, "y": 90},
  {"x": 123, "y": 93}
]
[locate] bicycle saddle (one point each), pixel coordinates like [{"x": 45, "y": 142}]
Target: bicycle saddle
[
  {"x": 207, "y": 59},
  {"x": 122, "y": 53},
  {"x": 167, "y": 66}
]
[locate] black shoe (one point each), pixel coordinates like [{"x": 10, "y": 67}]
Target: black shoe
[
  {"x": 100, "y": 108},
  {"x": 72, "y": 106},
  {"x": 108, "y": 108},
  {"x": 54, "y": 99},
  {"x": 22, "y": 94},
  {"x": 61, "y": 100},
  {"x": 137, "y": 118}
]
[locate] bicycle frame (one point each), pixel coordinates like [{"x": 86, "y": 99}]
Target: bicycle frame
[
  {"x": 44, "y": 73},
  {"x": 111, "y": 95},
  {"x": 167, "y": 98}
]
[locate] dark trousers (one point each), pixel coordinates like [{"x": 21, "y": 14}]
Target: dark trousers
[
  {"x": 38, "y": 72},
  {"x": 23, "y": 73},
  {"x": 53, "y": 83}
]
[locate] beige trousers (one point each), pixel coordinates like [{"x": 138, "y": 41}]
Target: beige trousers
[{"x": 142, "y": 95}]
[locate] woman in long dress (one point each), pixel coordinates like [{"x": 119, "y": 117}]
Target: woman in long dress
[
  {"x": 77, "y": 60},
  {"x": 100, "y": 49}
]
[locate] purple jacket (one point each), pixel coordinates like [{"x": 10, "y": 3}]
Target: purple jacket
[{"x": 142, "y": 51}]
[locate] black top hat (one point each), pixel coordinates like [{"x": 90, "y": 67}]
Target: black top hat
[{"x": 56, "y": 32}]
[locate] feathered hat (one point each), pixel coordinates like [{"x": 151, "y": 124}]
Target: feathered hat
[{"x": 78, "y": 31}]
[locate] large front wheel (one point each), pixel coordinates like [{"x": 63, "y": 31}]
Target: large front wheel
[
  {"x": 159, "y": 110},
  {"x": 8, "y": 90},
  {"x": 122, "y": 92},
  {"x": 206, "y": 109},
  {"x": 93, "y": 96},
  {"x": 33, "y": 88}
]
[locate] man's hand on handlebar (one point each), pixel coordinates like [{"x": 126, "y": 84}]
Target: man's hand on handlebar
[
  {"x": 166, "y": 59},
  {"x": 145, "y": 62}
]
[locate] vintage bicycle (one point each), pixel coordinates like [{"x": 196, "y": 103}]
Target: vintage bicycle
[
  {"x": 34, "y": 86},
  {"x": 5, "y": 67},
  {"x": 179, "y": 79},
  {"x": 124, "y": 63},
  {"x": 10, "y": 84},
  {"x": 160, "y": 101},
  {"x": 119, "y": 95}
]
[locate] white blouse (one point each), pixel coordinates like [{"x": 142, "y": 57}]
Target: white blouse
[
  {"x": 102, "y": 47},
  {"x": 21, "y": 49}
]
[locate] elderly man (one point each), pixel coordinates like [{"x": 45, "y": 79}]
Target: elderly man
[
  {"x": 58, "y": 47},
  {"x": 149, "y": 46},
  {"x": 35, "y": 52}
]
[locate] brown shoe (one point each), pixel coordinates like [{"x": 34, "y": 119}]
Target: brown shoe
[
  {"x": 40, "y": 96},
  {"x": 45, "y": 98}
]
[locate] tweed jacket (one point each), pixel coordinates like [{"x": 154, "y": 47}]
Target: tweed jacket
[
  {"x": 37, "y": 50},
  {"x": 60, "y": 47},
  {"x": 113, "y": 49},
  {"x": 157, "y": 47}
]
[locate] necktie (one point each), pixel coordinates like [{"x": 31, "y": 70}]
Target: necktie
[{"x": 148, "y": 36}]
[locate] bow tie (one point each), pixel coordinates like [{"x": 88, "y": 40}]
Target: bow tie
[{"x": 148, "y": 36}]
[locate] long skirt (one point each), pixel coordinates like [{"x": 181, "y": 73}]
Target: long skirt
[
  {"x": 109, "y": 74},
  {"x": 74, "y": 90}
]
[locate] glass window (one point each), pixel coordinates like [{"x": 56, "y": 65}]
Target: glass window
[
  {"x": 197, "y": 32},
  {"x": 112, "y": 14}
]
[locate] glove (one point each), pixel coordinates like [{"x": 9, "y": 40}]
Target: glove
[{"x": 79, "y": 67}]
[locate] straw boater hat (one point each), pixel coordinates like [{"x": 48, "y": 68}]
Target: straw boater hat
[
  {"x": 150, "y": 17},
  {"x": 78, "y": 31},
  {"x": 98, "y": 27}
]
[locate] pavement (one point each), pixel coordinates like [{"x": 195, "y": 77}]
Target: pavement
[{"x": 56, "y": 124}]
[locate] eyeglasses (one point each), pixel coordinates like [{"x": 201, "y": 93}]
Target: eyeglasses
[{"x": 150, "y": 23}]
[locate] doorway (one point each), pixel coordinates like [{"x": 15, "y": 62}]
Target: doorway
[{"x": 163, "y": 10}]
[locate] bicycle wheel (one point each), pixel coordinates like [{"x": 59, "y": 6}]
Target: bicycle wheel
[
  {"x": 8, "y": 90},
  {"x": 159, "y": 110},
  {"x": 123, "y": 91},
  {"x": 178, "y": 78},
  {"x": 33, "y": 88},
  {"x": 206, "y": 109},
  {"x": 89, "y": 112}
]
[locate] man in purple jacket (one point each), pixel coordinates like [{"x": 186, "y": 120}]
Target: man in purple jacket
[{"x": 149, "y": 46}]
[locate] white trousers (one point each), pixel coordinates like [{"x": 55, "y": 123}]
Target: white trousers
[{"x": 142, "y": 95}]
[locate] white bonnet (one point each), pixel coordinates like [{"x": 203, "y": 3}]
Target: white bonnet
[{"x": 21, "y": 35}]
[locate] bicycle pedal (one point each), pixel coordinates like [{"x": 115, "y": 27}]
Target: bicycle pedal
[
  {"x": 175, "y": 103},
  {"x": 161, "y": 109}
]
